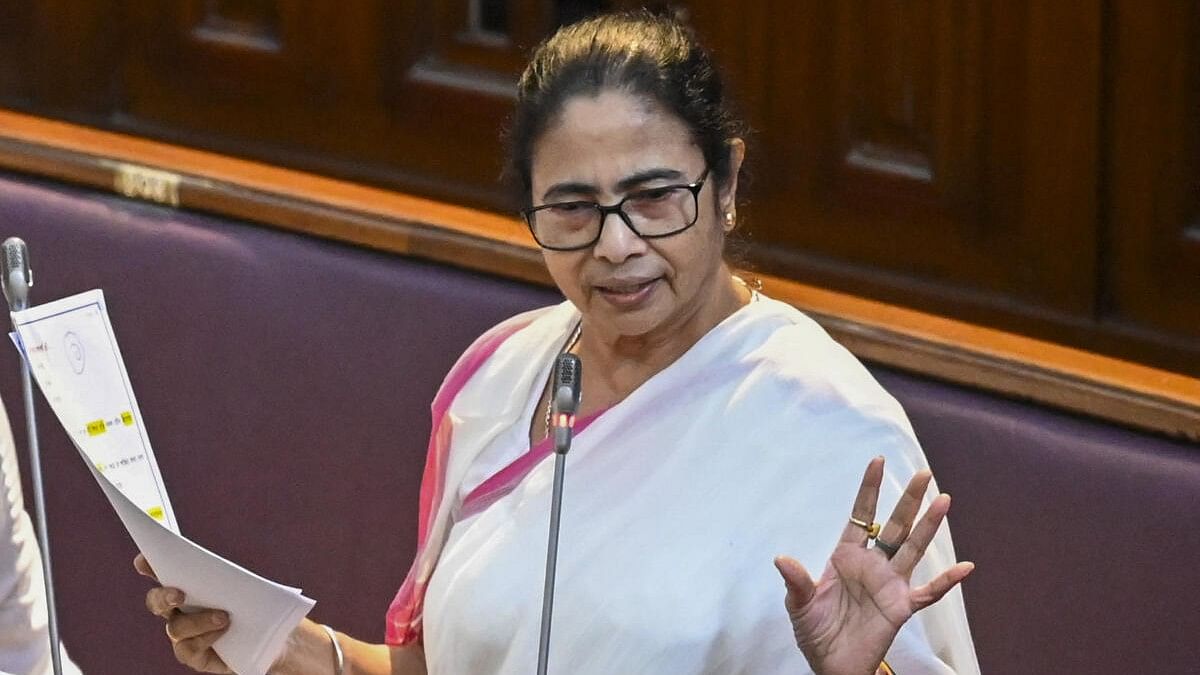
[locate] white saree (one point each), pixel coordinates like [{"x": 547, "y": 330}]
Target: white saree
[
  {"x": 677, "y": 499},
  {"x": 24, "y": 631}
]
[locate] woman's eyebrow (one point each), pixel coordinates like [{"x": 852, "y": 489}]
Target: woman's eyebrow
[
  {"x": 624, "y": 185},
  {"x": 568, "y": 188},
  {"x": 647, "y": 175}
]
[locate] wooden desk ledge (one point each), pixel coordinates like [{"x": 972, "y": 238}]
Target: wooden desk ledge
[{"x": 954, "y": 351}]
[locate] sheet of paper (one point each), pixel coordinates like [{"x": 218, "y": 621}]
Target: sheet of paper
[
  {"x": 74, "y": 357},
  {"x": 262, "y": 613},
  {"x": 71, "y": 349}
]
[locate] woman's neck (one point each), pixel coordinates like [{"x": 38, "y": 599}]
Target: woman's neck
[{"x": 616, "y": 365}]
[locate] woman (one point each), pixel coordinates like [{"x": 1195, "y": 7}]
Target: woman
[{"x": 718, "y": 428}]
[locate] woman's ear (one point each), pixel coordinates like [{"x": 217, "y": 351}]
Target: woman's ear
[{"x": 728, "y": 191}]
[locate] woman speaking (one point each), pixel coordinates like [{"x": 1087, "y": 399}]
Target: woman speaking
[{"x": 718, "y": 429}]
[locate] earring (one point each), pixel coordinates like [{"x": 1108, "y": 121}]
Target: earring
[{"x": 730, "y": 220}]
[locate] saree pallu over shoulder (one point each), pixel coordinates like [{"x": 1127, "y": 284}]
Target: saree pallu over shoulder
[{"x": 404, "y": 614}]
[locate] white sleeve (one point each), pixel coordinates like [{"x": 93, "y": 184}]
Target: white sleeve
[{"x": 24, "y": 635}]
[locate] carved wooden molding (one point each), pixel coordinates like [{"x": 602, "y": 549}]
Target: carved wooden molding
[{"x": 918, "y": 342}]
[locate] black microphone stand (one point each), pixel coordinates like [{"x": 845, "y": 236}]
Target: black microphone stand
[
  {"x": 18, "y": 279},
  {"x": 566, "y": 403},
  {"x": 551, "y": 562}
]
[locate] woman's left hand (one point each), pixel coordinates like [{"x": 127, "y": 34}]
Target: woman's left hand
[{"x": 845, "y": 621}]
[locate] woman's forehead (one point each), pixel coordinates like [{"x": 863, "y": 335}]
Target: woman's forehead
[{"x": 608, "y": 136}]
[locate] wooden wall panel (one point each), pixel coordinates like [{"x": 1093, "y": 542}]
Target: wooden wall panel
[
  {"x": 924, "y": 150},
  {"x": 1153, "y": 232},
  {"x": 449, "y": 92},
  {"x": 16, "y": 17},
  {"x": 451, "y": 87},
  {"x": 406, "y": 94},
  {"x": 60, "y": 55},
  {"x": 1028, "y": 165},
  {"x": 261, "y": 78}
]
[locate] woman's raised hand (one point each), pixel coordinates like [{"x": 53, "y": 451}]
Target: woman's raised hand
[
  {"x": 192, "y": 635},
  {"x": 845, "y": 621}
]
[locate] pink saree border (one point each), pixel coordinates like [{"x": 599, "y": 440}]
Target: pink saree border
[
  {"x": 503, "y": 481},
  {"x": 404, "y": 615}
]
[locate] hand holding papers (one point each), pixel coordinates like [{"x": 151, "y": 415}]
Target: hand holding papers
[{"x": 73, "y": 354}]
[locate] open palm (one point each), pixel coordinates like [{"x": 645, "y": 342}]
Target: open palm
[{"x": 846, "y": 620}]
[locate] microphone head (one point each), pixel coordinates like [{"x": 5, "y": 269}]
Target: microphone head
[
  {"x": 17, "y": 278},
  {"x": 568, "y": 383}
]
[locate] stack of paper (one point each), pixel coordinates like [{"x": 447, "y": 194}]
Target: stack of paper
[{"x": 73, "y": 354}]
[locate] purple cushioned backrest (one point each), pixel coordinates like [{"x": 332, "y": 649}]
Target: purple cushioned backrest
[
  {"x": 1084, "y": 534},
  {"x": 285, "y": 382}
]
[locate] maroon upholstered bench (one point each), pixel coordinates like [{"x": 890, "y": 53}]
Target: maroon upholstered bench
[
  {"x": 286, "y": 380},
  {"x": 1082, "y": 532}
]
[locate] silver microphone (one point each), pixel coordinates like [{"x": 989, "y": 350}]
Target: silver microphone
[
  {"x": 18, "y": 278},
  {"x": 17, "y": 281}
]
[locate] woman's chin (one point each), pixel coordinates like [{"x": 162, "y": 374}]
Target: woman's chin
[{"x": 626, "y": 322}]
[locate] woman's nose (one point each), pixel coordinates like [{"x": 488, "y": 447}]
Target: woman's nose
[{"x": 617, "y": 240}]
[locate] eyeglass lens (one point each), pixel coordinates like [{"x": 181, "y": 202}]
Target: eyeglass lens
[{"x": 651, "y": 213}]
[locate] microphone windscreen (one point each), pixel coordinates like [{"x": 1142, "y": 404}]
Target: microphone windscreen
[
  {"x": 16, "y": 255},
  {"x": 568, "y": 374},
  {"x": 16, "y": 278}
]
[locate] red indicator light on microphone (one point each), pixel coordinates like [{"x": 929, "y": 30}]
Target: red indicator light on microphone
[{"x": 564, "y": 420}]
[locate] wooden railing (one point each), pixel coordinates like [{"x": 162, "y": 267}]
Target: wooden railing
[{"x": 954, "y": 351}]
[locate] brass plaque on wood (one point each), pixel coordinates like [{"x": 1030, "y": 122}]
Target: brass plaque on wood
[{"x": 152, "y": 185}]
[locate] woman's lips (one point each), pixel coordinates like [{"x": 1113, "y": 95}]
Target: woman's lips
[{"x": 627, "y": 295}]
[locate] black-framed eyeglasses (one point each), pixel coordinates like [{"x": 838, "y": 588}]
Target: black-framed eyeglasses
[{"x": 651, "y": 213}]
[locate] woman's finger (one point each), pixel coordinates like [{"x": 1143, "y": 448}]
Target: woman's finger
[
  {"x": 164, "y": 600},
  {"x": 900, "y": 523},
  {"x": 143, "y": 567},
  {"x": 197, "y": 653},
  {"x": 187, "y": 626},
  {"x": 933, "y": 591},
  {"x": 864, "y": 504},
  {"x": 913, "y": 549},
  {"x": 800, "y": 586}
]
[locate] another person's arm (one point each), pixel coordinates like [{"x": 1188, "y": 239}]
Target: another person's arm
[
  {"x": 24, "y": 630},
  {"x": 308, "y": 651}
]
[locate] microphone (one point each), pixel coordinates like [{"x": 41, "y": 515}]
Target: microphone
[
  {"x": 17, "y": 281},
  {"x": 568, "y": 378},
  {"x": 567, "y": 390},
  {"x": 18, "y": 278}
]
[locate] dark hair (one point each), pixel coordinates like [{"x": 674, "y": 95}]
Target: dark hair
[{"x": 645, "y": 54}]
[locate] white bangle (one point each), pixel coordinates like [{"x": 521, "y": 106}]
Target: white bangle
[{"x": 339, "y": 659}]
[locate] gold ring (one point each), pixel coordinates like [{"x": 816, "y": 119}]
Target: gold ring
[{"x": 871, "y": 528}]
